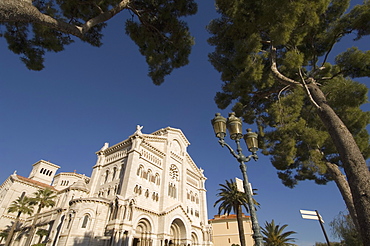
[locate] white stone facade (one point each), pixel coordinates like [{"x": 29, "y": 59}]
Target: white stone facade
[{"x": 143, "y": 191}]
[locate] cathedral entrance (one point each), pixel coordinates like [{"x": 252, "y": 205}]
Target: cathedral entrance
[
  {"x": 143, "y": 234},
  {"x": 178, "y": 233},
  {"x": 194, "y": 239}
]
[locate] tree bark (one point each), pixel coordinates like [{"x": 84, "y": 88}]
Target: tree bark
[
  {"x": 354, "y": 163},
  {"x": 239, "y": 218},
  {"x": 33, "y": 227},
  {"x": 343, "y": 186},
  {"x": 24, "y": 11},
  {"x": 12, "y": 229}
]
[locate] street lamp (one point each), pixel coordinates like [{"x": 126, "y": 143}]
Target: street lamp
[{"x": 234, "y": 126}]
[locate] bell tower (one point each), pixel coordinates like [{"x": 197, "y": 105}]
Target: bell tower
[{"x": 43, "y": 171}]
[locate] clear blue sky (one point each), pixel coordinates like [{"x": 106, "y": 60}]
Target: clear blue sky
[{"x": 87, "y": 96}]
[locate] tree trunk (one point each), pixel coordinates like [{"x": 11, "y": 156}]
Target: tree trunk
[
  {"x": 343, "y": 186},
  {"x": 239, "y": 218},
  {"x": 24, "y": 11},
  {"x": 33, "y": 227},
  {"x": 354, "y": 163},
  {"x": 12, "y": 229}
]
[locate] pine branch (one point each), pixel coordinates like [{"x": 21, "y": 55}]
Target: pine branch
[{"x": 283, "y": 79}]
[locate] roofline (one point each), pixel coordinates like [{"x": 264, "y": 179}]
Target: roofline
[
  {"x": 47, "y": 162},
  {"x": 32, "y": 182}
]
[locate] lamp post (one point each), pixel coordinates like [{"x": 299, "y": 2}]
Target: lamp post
[{"x": 234, "y": 126}]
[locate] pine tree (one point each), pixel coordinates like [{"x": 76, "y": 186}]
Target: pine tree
[
  {"x": 35, "y": 27},
  {"x": 273, "y": 60}
]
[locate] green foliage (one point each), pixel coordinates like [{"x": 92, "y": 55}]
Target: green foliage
[
  {"x": 274, "y": 235},
  {"x": 3, "y": 235},
  {"x": 354, "y": 63},
  {"x": 21, "y": 206},
  {"x": 331, "y": 244},
  {"x": 42, "y": 232},
  {"x": 162, "y": 37},
  {"x": 43, "y": 198},
  {"x": 158, "y": 30},
  {"x": 303, "y": 33},
  {"x": 230, "y": 198},
  {"x": 343, "y": 228}
]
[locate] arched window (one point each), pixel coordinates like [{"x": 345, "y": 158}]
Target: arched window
[
  {"x": 140, "y": 171},
  {"x": 147, "y": 193},
  {"x": 172, "y": 190},
  {"x": 114, "y": 173},
  {"x": 149, "y": 175},
  {"x": 41, "y": 170},
  {"x": 169, "y": 189},
  {"x": 85, "y": 221},
  {"x": 157, "y": 179},
  {"x": 106, "y": 176}
]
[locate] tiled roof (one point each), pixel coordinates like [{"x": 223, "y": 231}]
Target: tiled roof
[{"x": 34, "y": 182}]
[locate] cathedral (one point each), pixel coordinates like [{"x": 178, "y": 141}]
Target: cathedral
[{"x": 143, "y": 191}]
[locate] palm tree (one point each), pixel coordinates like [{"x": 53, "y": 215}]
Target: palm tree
[
  {"x": 4, "y": 234},
  {"x": 41, "y": 233},
  {"x": 274, "y": 235},
  {"x": 21, "y": 206},
  {"x": 232, "y": 200},
  {"x": 43, "y": 198}
]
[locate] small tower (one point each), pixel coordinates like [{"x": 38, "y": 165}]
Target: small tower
[{"x": 43, "y": 171}]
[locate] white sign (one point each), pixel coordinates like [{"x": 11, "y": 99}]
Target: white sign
[
  {"x": 240, "y": 185},
  {"x": 311, "y": 215}
]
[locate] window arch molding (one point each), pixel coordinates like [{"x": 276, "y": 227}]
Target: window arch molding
[
  {"x": 106, "y": 176},
  {"x": 85, "y": 220},
  {"x": 140, "y": 171},
  {"x": 114, "y": 173}
]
